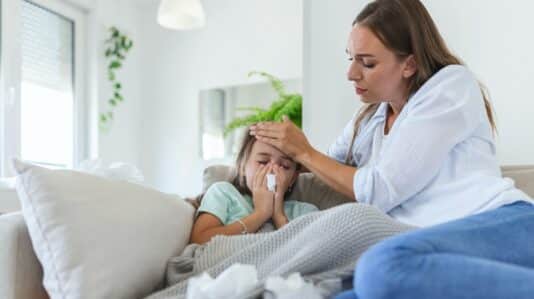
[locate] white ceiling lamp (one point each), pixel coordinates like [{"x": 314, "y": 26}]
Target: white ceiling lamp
[{"x": 181, "y": 14}]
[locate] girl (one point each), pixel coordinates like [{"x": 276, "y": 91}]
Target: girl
[
  {"x": 245, "y": 204},
  {"x": 422, "y": 150}
]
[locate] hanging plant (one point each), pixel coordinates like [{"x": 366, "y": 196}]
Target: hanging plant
[
  {"x": 117, "y": 47},
  {"x": 286, "y": 104}
]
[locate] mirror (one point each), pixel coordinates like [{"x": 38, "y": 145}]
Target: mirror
[{"x": 219, "y": 106}]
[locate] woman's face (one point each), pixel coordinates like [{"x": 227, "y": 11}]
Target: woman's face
[
  {"x": 263, "y": 154},
  {"x": 377, "y": 73}
]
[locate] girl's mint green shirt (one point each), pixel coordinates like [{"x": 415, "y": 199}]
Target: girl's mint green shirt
[{"x": 225, "y": 202}]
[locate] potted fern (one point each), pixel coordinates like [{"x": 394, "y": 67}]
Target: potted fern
[{"x": 289, "y": 104}]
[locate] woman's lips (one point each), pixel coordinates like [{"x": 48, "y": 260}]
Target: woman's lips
[{"x": 360, "y": 91}]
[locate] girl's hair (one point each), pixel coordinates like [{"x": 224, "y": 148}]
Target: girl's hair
[
  {"x": 239, "y": 180},
  {"x": 406, "y": 28}
]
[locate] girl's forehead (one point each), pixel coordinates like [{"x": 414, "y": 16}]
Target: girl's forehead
[{"x": 261, "y": 148}]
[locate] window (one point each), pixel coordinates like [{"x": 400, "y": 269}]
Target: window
[{"x": 43, "y": 83}]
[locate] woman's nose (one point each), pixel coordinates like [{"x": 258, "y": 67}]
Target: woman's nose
[{"x": 354, "y": 73}]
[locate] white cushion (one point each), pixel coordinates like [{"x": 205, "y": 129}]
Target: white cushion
[{"x": 97, "y": 237}]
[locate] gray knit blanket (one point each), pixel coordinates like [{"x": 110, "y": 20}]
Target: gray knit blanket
[{"x": 323, "y": 247}]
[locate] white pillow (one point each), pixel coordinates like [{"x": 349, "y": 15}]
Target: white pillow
[{"x": 97, "y": 237}]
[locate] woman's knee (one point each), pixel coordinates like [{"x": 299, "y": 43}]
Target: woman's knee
[{"x": 383, "y": 270}]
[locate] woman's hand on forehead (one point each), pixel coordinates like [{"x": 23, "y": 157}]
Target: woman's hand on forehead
[{"x": 285, "y": 136}]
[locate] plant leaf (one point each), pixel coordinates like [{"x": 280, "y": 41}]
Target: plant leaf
[
  {"x": 118, "y": 96},
  {"x": 115, "y": 64}
]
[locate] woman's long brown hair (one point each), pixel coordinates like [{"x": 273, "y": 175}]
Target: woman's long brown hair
[{"x": 406, "y": 28}]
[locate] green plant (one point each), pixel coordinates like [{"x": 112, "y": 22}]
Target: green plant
[
  {"x": 286, "y": 104},
  {"x": 117, "y": 47}
]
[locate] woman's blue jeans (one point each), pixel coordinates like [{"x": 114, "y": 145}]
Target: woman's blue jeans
[{"x": 486, "y": 256}]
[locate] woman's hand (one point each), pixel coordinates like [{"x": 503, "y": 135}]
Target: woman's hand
[
  {"x": 261, "y": 196},
  {"x": 285, "y": 136}
]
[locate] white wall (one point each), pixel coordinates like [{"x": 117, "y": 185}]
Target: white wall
[
  {"x": 122, "y": 141},
  {"x": 240, "y": 36},
  {"x": 493, "y": 37}
]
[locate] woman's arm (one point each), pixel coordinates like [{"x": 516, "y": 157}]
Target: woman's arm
[
  {"x": 207, "y": 226},
  {"x": 338, "y": 176}
]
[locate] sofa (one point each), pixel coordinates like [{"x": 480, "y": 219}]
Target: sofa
[{"x": 21, "y": 272}]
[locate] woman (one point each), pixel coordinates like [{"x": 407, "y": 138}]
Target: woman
[{"x": 422, "y": 151}]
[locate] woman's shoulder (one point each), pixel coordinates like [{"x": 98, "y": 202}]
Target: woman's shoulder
[
  {"x": 454, "y": 74},
  {"x": 453, "y": 84}
]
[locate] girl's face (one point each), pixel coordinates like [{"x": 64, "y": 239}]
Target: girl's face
[
  {"x": 377, "y": 73},
  {"x": 263, "y": 154}
]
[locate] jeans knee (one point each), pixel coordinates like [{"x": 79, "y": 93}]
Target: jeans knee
[{"x": 381, "y": 270}]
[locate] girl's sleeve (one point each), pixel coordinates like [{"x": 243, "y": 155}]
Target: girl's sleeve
[
  {"x": 216, "y": 201},
  {"x": 444, "y": 112},
  {"x": 296, "y": 209}
]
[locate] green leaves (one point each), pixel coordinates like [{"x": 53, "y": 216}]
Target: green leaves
[
  {"x": 117, "y": 47},
  {"x": 114, "y": 65},
  {"x": 287, "y": 104}
]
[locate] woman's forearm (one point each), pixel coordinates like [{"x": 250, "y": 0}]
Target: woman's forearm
[{"x": 336, "y": 175}]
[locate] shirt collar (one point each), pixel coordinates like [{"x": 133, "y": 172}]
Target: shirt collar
[{"x": 380, "y": 113}]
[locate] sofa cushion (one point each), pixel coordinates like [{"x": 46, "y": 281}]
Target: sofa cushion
[
  {"x": 97, "y": 237},
  {"x": 21, "y": 273},
  {"x": 523, "y": 176}
]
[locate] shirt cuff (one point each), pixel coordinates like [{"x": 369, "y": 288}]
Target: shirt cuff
[{"x": 362, "y": 184}]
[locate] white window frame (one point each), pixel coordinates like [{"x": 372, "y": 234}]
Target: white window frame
[{"x": 10, "y": 80}]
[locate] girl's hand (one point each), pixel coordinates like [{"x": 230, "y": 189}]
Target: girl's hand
[
  {"x": 283, "y": 181},
  {"x": 285, "y": 136},
  {"x": 262, "y": 198}
]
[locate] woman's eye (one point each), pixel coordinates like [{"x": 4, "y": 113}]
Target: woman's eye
[
  {"x": 263, "y": 162},
  {"x": 368, "y": 65}
]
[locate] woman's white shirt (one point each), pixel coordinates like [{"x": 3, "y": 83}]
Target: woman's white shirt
[{"x": 438, "y": 162}]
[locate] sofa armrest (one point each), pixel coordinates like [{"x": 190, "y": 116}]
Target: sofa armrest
[{"x": 20, "y": 271}]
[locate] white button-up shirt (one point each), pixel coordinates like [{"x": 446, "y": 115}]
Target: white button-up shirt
[{"x": 438, "y": 162}]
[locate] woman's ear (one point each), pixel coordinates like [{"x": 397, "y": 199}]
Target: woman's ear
[{"x": 410, "y": 67}]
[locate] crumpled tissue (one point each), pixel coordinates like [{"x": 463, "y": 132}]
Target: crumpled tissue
[
  {"x": 240, "y": 279},
  {"x": 292, "y": 287},
  {"x": 116, "y": 170},
  {"x": 271, "y": 182},
  {"x": 232, "y": 282}
]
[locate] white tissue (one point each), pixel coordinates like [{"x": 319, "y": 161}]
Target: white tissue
[
  {"x": 233, "y": 282},
  {"x": 116, "y": 170},
  {"x": 292, "y": 287},
  {"x": 271, "y": 182}
]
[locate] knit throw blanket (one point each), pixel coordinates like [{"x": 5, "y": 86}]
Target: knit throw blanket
[{"x": 322, "y": 246}]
